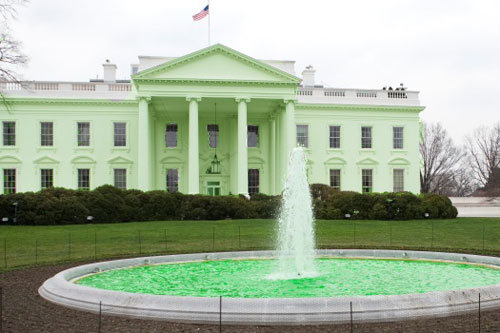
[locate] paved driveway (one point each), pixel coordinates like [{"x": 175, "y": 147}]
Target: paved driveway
[{"x": 477, "y": 206}]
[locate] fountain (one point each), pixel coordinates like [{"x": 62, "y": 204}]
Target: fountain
[
  {"x": 296, "y": 223},
  {"x": 304, "y": 286}
]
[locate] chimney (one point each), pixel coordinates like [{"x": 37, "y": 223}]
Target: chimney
[
  {"x": 109, "y": 71},
  {"x": 308, "y": 76}
]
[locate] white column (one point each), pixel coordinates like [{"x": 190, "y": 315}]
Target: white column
[
  {"x": 193, "y": 158},
  {"x": 283, "y": 156},
  {"x": 144, "y": 148},
  {"x": 272, "y": 159},
  {"x": 290, "y": 127},
  {"x": 242, "y": 146}
]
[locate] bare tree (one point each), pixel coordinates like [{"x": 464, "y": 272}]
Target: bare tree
[
  {"x": 11, "y": 56},
  {"x": 483, "y": 150},
  {"x": 440, "y": 159},
  {"x": 8, "y": 8},
  {"x": 464, "y": 184}
]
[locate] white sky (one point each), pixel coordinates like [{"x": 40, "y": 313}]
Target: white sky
[{"x": 447, "y": 49}]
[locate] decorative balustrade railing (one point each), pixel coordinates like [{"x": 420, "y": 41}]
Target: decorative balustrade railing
[
  {"x": 64, "y": 86},
  {"x": 369, "y": 96}
]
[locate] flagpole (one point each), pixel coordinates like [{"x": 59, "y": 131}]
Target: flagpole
[{"x": 209, "y": 9}]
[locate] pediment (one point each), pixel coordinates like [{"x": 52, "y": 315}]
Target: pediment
[
  {"x": 83, "y": 160},
  {"x": 367, "y": 161},
  {"x": 171, "y": 160},
  {"x": 336, "y": 160},
  {"x": 120, "y": 160},
  {"x": 255, "y": 160},
  {"x": 46, "y": 160},
  {"x": 399, "y": 161},
  {"x": 7, "y": 159},
  {"x": 217, "y": 63}
]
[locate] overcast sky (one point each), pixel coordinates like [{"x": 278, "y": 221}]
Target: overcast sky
[{"x": 449, "y": 50}]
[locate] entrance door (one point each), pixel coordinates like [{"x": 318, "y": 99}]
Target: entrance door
[{"x": 213, "y": 188}]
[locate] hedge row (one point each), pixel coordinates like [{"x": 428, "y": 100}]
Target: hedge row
[
  {"x": 108, "y": 204},
  {"x": 330, "y": 205}
]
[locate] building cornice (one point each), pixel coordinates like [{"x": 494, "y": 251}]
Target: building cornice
[
  {"x": 24, "y": 100},
  {"x": 216, "y": 82},
  {"x": 357, "y": 107}
]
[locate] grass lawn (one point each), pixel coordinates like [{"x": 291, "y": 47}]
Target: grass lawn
[{"x": 32, "y": 245}]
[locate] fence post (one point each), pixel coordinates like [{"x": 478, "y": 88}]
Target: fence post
[
  {"x": 239, "y": 237},
  {"x": 69, "y": 246},
  {"x": 432, "y": 235},
  {"x": 484, "y": 227},
  {"x": 390, "y": 237},
  {"x": 220, "y": 314},
  {"x": 100, "y": 316},
  {"x": 36, "y": 252},
  {"x": 166, "y": 242},
  {"x": 354, "y": 233},
  {"x": 350, "y": 312},
  {"x": 479, "y": 321},
  {"x": 95, "y": 244},
  {"x": 1, "y": 309},
  {"x": 140, "y": 243},
  {"x": 213, "y": 239},
  {"x": 5, "y": 253}
]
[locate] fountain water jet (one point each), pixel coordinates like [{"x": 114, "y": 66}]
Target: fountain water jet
[{"x": 296, "y": 246}]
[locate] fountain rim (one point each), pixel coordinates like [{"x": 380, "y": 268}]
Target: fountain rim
[{"x": 61, "y": 289}]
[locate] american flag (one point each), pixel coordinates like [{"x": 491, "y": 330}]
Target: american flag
[{"x": 201, "y": 14}]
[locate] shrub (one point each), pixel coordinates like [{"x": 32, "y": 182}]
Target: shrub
[
  {"x": 321, "y": 191},
  {"x": 108, "y": 204},
  {"x": 400, "y": 206}
]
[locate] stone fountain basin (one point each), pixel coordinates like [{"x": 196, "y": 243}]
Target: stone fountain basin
[{"x": 271, "y": 311}]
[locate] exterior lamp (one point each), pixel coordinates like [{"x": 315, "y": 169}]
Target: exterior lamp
[
  {"x": 90, "y": 218},
  {"x": 5, "y": 219},
  {"x": 426, "y": 215},
  {"x": 215, "y": 165},
  {"x": 15, "y": 204},
  {"x": 347, "y": 216}
]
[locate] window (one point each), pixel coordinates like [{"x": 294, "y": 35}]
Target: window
[
  {"x": 302, "y": 135},
  {"x": 83, "y": 137},
  {"x": 398, "y": 180},
  {"x": 120, "y": 176},
  {"x": 120, "y": 134},
  {"x": 253, "y": 136},
  {"x": 172, "y": 180},
  {"x": 253, "y": 181},
  {"x": 9, "y": 181},
  {"x": 47, "y": 178},
  {"x": 367, "y": 181},
  {"x": 334, "y": 136},
  {"x": 335, "y": 179},
  {"x": 213, "y": 135},
  {"x": 46, "y": 134},
  {"x": 9, "y": 133},
  {"x": 366, "y": 137},
  {"x": 171, "y": 136},
  {"x": 213, "y": 188},
  {"x": 397, "y": 137},
  {"x": 84, "y": 179}
]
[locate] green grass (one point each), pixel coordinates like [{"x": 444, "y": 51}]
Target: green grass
[{"x": 34, "y": 245}]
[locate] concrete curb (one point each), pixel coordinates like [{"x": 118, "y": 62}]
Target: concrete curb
[{"x": 273, "y": 311}]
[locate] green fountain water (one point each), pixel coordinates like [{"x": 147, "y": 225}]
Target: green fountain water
[
  {"x": 335, "y": 278},
  {"x": 296, "y": 273}
]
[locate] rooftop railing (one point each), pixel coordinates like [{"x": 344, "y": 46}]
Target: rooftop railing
[
  {"x": 337, "y": 94},
  {"x": 64, "y": 86}
]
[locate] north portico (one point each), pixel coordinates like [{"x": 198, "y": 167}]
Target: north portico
[
  {"x": 190, "y": 91},
  {"x": 213, "y": 122}
]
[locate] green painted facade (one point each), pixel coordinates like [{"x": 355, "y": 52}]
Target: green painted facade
[{"x": 186, "y": 92}]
